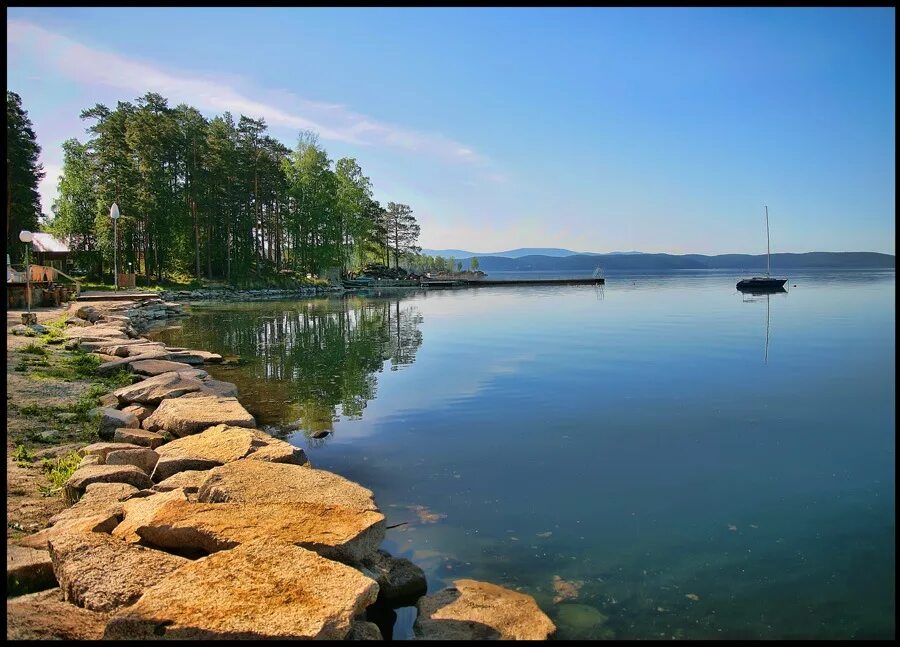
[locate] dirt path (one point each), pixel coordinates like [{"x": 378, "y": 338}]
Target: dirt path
[{"x": 27, "y": 509}]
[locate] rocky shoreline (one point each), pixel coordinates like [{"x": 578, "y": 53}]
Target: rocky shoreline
[
  {"x": 186, "y": 521},
  {"x": 228, "y": 294}
]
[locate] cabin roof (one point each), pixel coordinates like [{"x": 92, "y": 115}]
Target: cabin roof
[{"x": 44, "y": 242}]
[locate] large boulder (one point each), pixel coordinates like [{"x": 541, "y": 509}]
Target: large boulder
[
  {"x": 103, "y": 448},
  {"x": 195, "y": 357},
  {"x": 364, "y": 630},
  {"x": 144, "y": 458},
  {"x": 263, "y": 482},
  {"x": 262, "y": 589},
  {"x": 28, "y": 570},
  {"x": 155, "y": 389},
  {"x": 472, "y": 610},
  {"x": 109, "y": 367},
  {"x": 112, "y": 419},
  {"x": 96, "y": 333},
  {"x": 188, "y": 480},
  {"x": 194, "y": 413},
  {"x": 140, "y": 437},
  {"x": 47, "y": 616},
  {"x": 105, "y": 346},
  {"x": 345, "y": 534},
  {"x": 101, "y": 523},
  {"x": 223, "y": 444},
  {"x": 399, "y": 580},
  {"x": 159, "y": 366},
  {"x": 103, "y": 499},
  {"x": 137, "y": 347},
  {"x": 84, "y": 476},
  {"x": 88, "y": 313},
  {"x": 220, "y": 388},
  {"x": 138, "y": 511},
  {"x": 102, "y": 573}
]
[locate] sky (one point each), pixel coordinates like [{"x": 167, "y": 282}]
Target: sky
[{"x": 593, "y": 129}]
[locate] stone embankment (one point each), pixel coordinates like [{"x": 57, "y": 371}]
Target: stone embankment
[
  {"x": 232, "y": 294},
  {"x": 189, "y": 522}
]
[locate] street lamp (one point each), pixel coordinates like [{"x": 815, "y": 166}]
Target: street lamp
[
  {"x": 26, "y": 237},
  {"x": 114, "y": 214}
]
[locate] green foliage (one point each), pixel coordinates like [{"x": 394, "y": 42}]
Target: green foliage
[
  {"x": 35, "y": 349},
  {"x": 22, "y": 455},
  {"x": 58, "y": 471},
  {"x": 55, "y": 328},
  {"x": 23, "y": 174},
  {"x": 216, "y": 199},
  {"x": 473, "y": 263}
]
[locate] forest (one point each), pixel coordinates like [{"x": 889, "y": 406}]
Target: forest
[{"x": 202, "y": 198}]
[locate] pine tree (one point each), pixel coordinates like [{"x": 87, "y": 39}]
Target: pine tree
[{"x": 23, "y": 173}]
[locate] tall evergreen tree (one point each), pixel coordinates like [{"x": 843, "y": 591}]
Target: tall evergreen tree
[{"x": 23, "y": 174}]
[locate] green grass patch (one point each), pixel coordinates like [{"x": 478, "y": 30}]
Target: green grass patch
[
  {"x": 22, "y": 455},
  {"x": 34, "y": 348},
  {"x": 58, "y": 472},
  {"x": 54, "y": 334}
]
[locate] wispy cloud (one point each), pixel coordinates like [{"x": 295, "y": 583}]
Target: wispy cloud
[{"x": 332, "y": 121}]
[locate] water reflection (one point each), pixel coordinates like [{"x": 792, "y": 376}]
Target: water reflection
[
  {"x": 306, "y": 364},
  {"x": 751, "y": 296}
]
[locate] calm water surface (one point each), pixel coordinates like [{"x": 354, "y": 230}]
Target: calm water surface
[{"x": 649, "y": 450}]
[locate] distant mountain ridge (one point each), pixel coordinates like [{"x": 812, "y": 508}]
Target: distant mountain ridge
[
  {"x": 519, "y": 252},
  {"x": 510, "y": 253},
  {"x": 642, "y": 261}
]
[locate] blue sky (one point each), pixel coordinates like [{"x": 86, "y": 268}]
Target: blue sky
[{"x": 659, "y": 130}]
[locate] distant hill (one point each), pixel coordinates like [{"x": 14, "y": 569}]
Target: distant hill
[
  {"x": 639, "y": 261},
  {"x": 512, "y": 253}
]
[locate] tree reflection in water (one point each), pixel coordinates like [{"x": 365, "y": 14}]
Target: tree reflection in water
[{"x": 306, "y": 363}]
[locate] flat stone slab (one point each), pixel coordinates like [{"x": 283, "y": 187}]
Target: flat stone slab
[
  {"x": 102, "y": 573},
  {"x": 47, "y": 616},
  {"x": 132, "y": 350},
  {"x": 195, "y": 357},
  {"x": 95, "y": 333},
  {"x": 28, "y": 570},
  {"x": 190, "y": 415},
  {"x": 102, "y": 449},
  {"x": 159, "y": 366},
  {"x": 263, "y": 482},
  {"x": 154, "y": 390},
  {"x": 262, "y": 589},
  {"x": 104, "y": 499},
  {"x": 108, "y": 368},
  {"x": 188, "y": 480},
  {"x": 223, "y": 444},
  {"x": 139, "y": 437},
  {"x": 218, "y": 387},
  {"x": 143, "y": 458},
  {"x": 100, "y": 523},
  {"x": 472, "y": 610},
  {"x": 84, "y": 476},
  {"x": 140, "y": 510},
  {"x": 112, "y": 419},
  {"x": 345, "y": 534}
]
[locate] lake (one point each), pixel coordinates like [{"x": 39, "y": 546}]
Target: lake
[{"x": 661, "y": 457}]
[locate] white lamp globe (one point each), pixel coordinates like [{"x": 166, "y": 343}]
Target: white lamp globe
[
  {"x": 114, "y": 211},
  {"x": 26, "y": 236}
]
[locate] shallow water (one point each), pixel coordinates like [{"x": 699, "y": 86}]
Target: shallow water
[{"x": 644, "y": 446}]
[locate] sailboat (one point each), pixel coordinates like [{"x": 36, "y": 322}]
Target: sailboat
[{"x": 763, "y": 283}]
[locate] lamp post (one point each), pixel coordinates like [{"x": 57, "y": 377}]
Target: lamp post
[
  {"x": 114, "y": 214},
  {"x": 26, "y": 237}
]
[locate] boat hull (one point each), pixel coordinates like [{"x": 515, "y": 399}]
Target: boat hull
[{"x": 761, "y": 284}]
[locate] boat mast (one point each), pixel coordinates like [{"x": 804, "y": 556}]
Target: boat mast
[{"x": 767, "y": 240}]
